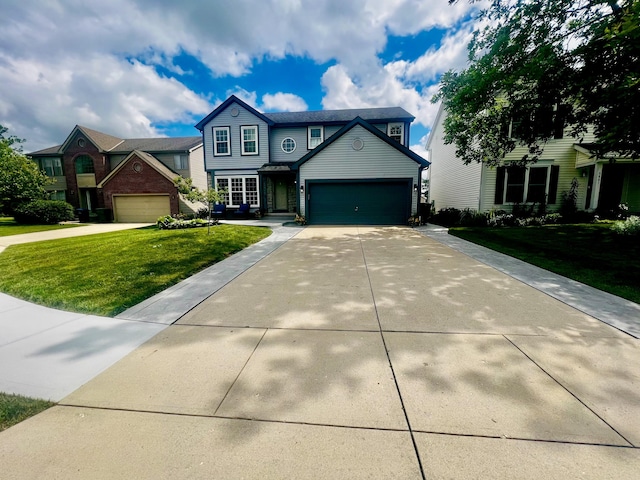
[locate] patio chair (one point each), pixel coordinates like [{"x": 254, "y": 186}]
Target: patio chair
[
  {"x": 219, "y": 211},
  {"x": 242, "y": 212}
]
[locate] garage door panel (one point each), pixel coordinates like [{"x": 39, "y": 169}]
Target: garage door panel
[
  {"x": 141, "y": 208},
  {"x": 363, "y": 203}
]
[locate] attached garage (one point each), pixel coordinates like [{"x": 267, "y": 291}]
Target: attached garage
[
  {"x": 363, "y": 202},
  {"x": 140, "y": 208},
  {"x": 359, "y": 176}
]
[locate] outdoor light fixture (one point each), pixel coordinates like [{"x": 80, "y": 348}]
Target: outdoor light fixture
[
  {"x": 301, "y": 188},
  {"x": 415, "y": 187}
]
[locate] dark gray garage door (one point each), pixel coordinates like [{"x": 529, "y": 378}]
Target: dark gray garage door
[{"x": 358, "y": 203}]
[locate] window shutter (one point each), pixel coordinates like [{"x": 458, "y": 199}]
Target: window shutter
[
  {"x": 553, "y": 184},
  {"x": 500, "y": 185}
]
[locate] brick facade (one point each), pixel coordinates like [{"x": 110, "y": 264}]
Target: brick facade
[{"x": 139, "y": 178}]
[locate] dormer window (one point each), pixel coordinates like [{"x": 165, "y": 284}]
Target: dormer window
[
  {"x": 315, "y": 136},
  {"x": 396, "y": 131}
]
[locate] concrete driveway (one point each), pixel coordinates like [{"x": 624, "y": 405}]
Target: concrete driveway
[{"x": 355, "y": 353}]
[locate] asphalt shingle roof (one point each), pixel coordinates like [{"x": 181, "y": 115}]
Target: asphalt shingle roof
[{"x": 340, "y": 116}]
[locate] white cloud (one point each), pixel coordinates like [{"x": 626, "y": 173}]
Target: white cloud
[
  {"x": 71, "y": 61},
  {"x": 283, "y": 102}
]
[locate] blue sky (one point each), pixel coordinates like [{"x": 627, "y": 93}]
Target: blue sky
[{"x": 140, "y": 68}]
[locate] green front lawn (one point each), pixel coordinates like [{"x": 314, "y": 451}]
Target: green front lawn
[
  {"x": 16, "y": 408},
  {"x": 591, "y": 254},
  {"x": 9, "y": 227},
  {"x": 108, "y": 273}
]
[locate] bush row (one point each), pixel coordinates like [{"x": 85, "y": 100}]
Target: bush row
[{"x": 44, "y": 211}]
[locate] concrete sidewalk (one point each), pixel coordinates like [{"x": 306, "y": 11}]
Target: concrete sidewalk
[
  {"x": 48, "y": 353},
  {"x": 355, "y": 353}
]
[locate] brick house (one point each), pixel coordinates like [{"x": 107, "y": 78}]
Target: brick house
[{"x": 132, "y": 178}]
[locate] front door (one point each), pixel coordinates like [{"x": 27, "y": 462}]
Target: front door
[{"x": 281, "y": 204}]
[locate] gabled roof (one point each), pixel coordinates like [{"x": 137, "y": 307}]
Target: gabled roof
[
  {"x": 109, "y": 144},
  {"x": 102, "y": 141},
  {"x": 371, "y": 129},
  {"x": 232, "y": 99},
  {"x": 152, "y": 161},
  {"x": 155, "y": 145},
  {"x": 386, "y": 114}
]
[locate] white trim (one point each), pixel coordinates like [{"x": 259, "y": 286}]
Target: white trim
[
  {"x": 315, "y": 139},
  {"x": 295, "y": 145},
  {"x": 242, "y": 139},
  {"x": 215, "y": 142},
  {"x": 243, "y": 192}
]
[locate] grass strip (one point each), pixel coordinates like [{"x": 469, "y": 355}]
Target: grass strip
[
  {"x": 16, "y": 408},
  {"x": 106, "y": 274},
  {"x": 592, "y": 253}
]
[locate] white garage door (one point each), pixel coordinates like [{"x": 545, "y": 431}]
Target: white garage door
[{"x": 140, "y": 208}]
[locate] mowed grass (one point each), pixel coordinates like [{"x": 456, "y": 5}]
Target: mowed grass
[
  {"x": 16, "y": 408},
  {"x": 591, "y": 254},
  {"x": 9, "y": 227},
  {"x": 106, "y": 274}
]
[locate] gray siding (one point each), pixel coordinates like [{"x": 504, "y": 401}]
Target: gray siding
[
  {"x": 299, "y": 134},
  {"x": 376, "y": 160},
  {"x": 236, "y": 160}
]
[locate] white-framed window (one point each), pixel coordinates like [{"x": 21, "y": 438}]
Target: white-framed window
[
  {"x": 240, "y": 189},
  {"x": 249, "y": 136},
  {"x": 288, "y": 145},
  {"x": 536, "y": 184},
  {"x": 396, "y": 131},
  {"x": 315, "y": 136},
  {"x": 52, "y": 167},
  {"x": 221, "y": 141},
  {"x": 181, "y": 161}
]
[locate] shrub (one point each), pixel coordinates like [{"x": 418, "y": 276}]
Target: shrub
[
  {"x": 472, "y": 218},
  {"x": 447, "y": 217},
  {"x": 203, "y": 212},
  {"x": 630, "y": 226},
  {"x": 569, "y": 203},
  {"x": 44, "y": 211},
  {"x": 170, "y": 223}
]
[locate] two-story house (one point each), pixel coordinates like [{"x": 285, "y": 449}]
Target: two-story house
[
  {"x": 331, "y": 166},
  {"x": 603, "y": 182},
  {"x": 131, "y": 178}
]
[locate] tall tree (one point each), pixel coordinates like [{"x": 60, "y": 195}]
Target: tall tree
[
  {"x": 538, "y": 66},
  {"x": 20, "y": 179}
]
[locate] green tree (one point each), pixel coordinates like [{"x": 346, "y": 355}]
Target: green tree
[
  {"x": 20, "y": 179},
  {"x": 536, "y": 67},
  {"x": 210, "y": 196}
]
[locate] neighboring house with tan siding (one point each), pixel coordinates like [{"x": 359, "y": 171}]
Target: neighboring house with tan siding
[
  {"x": 130, "y": 178},
  {"x": 602, "y": 184}
]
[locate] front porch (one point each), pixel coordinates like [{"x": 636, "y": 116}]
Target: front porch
[{"x": 278, "y": 189}]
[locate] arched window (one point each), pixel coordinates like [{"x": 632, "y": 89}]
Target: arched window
[{"x": 84, "y": 164}]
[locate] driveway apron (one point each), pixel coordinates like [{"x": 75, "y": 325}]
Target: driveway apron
[{"x": 355, "y": 352}]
